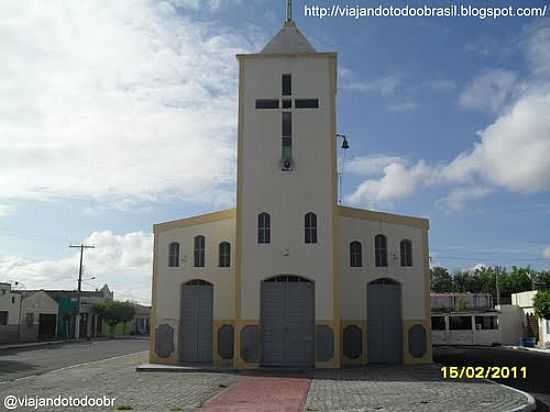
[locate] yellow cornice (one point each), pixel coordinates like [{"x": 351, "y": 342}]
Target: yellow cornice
[
  {"x": 195, "y": 220},
  {"x": 269, "y": 55},
  {"x": 384, "y": 217}
]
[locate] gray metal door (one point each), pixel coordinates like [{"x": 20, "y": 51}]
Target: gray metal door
[
  {"x": 196, "y": 322},
  {"x": 287, "y": 322},
  {"x": 384, "y": 326}
]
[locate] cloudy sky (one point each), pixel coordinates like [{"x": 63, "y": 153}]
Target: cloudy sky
[{"x": 118, "y": 115}]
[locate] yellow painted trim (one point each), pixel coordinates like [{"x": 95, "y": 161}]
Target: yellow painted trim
[
  {"x": 427, "y": 295},
  {"x": 195, "y": 220},
  {"x": 237, "y": 361},
  {"x": 361, "y": 360},
  {"x": 335, "y": 361},
  {"x": 333, "y": 75},
  {"x": 241, "y": 57},
  {"x": 408, "y": 359},
  {"x": 384, "y": 217},
  {"x": 238, "y": 227},
  {"x": 216, "y": 358},
  {"x": 153, "y": 358}
]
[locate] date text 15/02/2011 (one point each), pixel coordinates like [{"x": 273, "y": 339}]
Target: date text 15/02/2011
[{"x": 484, "y": 372}]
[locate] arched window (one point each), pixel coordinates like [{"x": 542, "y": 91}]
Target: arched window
[
  {"x": 355, "y": 254},
  {"x": 264, "y": 228},
  {"x": 406, "y": 252},
  {"x": 380, "y": 250},
  {"x": 224, "y": 255},
  {"x": 310, "y": 226},
  {"x": 199, "y": 251},
  {"x": 174, "y": 255}
]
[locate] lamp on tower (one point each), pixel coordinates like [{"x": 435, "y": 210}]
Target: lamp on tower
[{"x": 344, "y": 147}]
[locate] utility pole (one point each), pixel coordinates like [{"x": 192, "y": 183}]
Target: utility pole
[
  {"x": 77, "y": 324},
  {"x": 498, "y": 287}
]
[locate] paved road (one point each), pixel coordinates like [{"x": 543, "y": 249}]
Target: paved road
[
  {"x": 538, "y": 367},
  {"x": 18, "y": 363}
]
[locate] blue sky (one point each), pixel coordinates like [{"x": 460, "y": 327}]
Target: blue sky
[{"x": 103, "y": 131}]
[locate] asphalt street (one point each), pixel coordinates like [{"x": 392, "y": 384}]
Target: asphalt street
[
  {"x": 537, "y": 382},
  {"x": 22, "y": 362}
]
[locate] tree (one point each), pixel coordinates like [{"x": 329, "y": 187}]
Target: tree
[
  {"x": 442, "y": 282},
  {"x": 115, "y": 312},
  {"x": 460, "y": 280},
  {"x": 541, "y": 304},
  {"x": 542, "y": 280},
  {"x": 516, "y": 281}
]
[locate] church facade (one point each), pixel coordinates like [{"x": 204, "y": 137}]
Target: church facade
[{"x": 289, "y": 278}]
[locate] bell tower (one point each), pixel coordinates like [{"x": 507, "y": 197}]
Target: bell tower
[{"x": 286, "y": 170}]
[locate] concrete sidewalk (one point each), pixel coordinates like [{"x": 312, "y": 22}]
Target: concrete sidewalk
[
  {"x": 388, "y": 389},
  {"x": 373, "y": 388}
]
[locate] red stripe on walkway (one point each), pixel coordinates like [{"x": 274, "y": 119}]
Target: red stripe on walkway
[{"x": 261, "y": 394}]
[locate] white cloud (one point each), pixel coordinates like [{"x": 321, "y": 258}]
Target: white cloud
[
  {"x": 124, "y": 262},
  {"x": 386, "y": 86},
  {"x": 200, "y": 4},
  {"x": 398, "y": 182},
  {"x": 489, "y": 91},
  {"x": 538, "y": 52},
  {"x": 6, "y": 210},
  {"x": 479, "y": 266},
  {"x": 442, "y": 85},
  {"x": 457, "y": 198},
  {"x": 108, "y": 101},
  {"x": 546, "y": 252},
  {"x": 371, "y": 165},
  {"x": 511, "y": 153},
  {"x": 403, "y": 106}
]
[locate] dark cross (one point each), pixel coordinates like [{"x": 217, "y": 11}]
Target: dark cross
[{"x": 286, "y": 103}]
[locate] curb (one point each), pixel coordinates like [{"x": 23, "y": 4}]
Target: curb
[
  {"x": 526, "y": 349},
  {"x": 37, "y": 344},
  {"x": 60, "y": 342},
  {"x": 531, "y": 403}
]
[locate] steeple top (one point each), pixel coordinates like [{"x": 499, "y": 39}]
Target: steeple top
[
  {"x": 289, "y": 10},
  {"x": 289, "y": 40}
]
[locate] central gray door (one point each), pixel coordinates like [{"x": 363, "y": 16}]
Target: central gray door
[
  {"x": 384, "y": 329},
  {"x": 287, "y": 321},
  {"x": 196, "y": 321}
]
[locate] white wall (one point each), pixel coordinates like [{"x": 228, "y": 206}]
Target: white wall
[
  {"x": 171, "y": 279},
  {"x": 10, "y": 302},
  {"x": 511, "y": 324},
  {"x": 353, "y": 283},
  {"x": 473, "y": 336},
  {"x": 544, "y": 328},
  {"x": 524, "y": 299},
  {"x": 287, "y": 196},
  {"x": 38, "y": 303}
]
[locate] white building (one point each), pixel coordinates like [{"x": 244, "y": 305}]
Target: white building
[
  {"x": 532, "y": 325},
  {"x": 10, "y": 309},
  {"x": 38, "y": 317},
  {"x": 465, "y": 319},
  {"x": 288, "y": 277}
]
